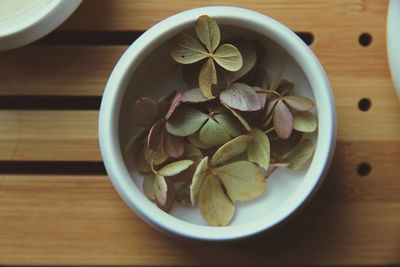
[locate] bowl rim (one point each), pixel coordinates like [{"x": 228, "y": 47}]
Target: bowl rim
[
  {"x": 119, "y": 79},
  {"x": 38, "y": 24}
]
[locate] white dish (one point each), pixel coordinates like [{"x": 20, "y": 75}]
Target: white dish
[
  {"x": 25, "y": 21},
  {"x": 393, "y": 41},
  {"x": 146, "y": 68}
]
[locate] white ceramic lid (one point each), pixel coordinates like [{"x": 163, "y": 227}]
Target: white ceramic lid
[{"x": 25, "y": 21}]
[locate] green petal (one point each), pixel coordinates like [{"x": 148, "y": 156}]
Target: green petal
[
  {"x": 207, "y": 77},
  {"x": 195, "y": 141},
  {"x": 175, "y": 168},
  {"x": 249, "y": 60},
  {"x": 259, "y": 149},
  {"x": 231, "y": 149},
  {"x": 213, "y": 134},
  {"x": 186, "y": 121},
  {"x": 188, "y": 50},
  {"x": 164, "y": 192},
  {"x": 283, "y": 120},
  {"x": 242, "y": 180},
  {"x": 273, "y": 85},
  {"x": 229, "y": 123},
  {"x": 192, "y": 153},
  {"x": 215, "y": 206},
  {"x": 145, "y": 112},
  {"x": 228, "y": 57},
  {"x": 194, "y": 96},
  {"x": 157, "y": 157},
  {"x": 285, "y": 87},
  {"x": 208, "y": 32},
  {"x": 198, "y": 179},
  {"x": 241, "y": 96},
  {"x": 240, "y": 118},
  {"x": 299, "y": 103},
  {"x": 305, "y": 122},
  {"x": 148, "y": 186},
  {"x": 300, "y": 154},
  {"x": 281, "y": 147}
]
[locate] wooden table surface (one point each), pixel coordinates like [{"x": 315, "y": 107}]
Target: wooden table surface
[{"x": 57, "y": 206}]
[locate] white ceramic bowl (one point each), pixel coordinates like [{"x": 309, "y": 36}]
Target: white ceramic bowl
[
  {"x": 25, "y": 21},
  {"x": 393, "y": 42},
  {"x": 146, "y": 69}
]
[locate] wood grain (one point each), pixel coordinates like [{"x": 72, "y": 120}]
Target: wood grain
[
  {"x": 72, "y": 135},
  {"x": 299, "y": 15},
  {"x": 81, "y": 220},
  {"x": 57, "y": 70},
  {"x": 49, "y": 135}
]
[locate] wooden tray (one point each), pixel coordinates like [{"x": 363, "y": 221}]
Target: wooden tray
[{"x": 57, "y": 206}]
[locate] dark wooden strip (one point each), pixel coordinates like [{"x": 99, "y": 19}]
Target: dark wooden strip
[
  {"x": 112, "y": 38},
  {"x": 52, "y": 167},
  {"x": 89, "y": 38},
  {"x": 40, "y": 102}
]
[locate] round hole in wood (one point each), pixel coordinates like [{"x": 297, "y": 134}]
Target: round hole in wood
[
  {"x": 364, "y": 104},
  {"x": 364, "y": 169},
  {"x": 365, "y": 39}
]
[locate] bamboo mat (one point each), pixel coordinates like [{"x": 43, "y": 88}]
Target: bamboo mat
[{"x": 57, "y": 206}]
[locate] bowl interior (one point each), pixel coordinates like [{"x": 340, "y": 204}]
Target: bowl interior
[{"x": 158, "y": 75}]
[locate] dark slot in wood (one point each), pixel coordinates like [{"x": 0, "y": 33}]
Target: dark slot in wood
[
  {"x": 89, "y": 38},
  {"x": 112, "y": 38},
  {"x": 52, "y": 167},
  {"x": 50, "y": 102}
]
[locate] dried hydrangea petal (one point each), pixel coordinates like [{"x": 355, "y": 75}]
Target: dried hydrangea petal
[
  {"x": 240, "y": 96},
  {"x": 198, "y": 179},
  {"x": 215, "y": 206},
  {"x": 207, "y": 77},
  {"x": 188, "y": 50},
  {"x": 213, "y": 134},
  {"x": 155, "y": 157},
  {"x": 186, "y": 121},
  {"x": 231, "y": 149},
  {"x": 173, "y": 145},
  {"x": 175, "y": 168},
  {"x": 259, "y": 149},
  {"x": 300, "y": 154},
  {"x": 183, "y": 194},
  {"x": 148, "y": 186},
  {"x": 228, "y": 57},
  {"x": 145, "y": 112},
  {"x": 229, "y": 123},
  {"x": 208, "y": 32},
  {"x": 164, "y": 192},
  {"x": 174, "y": 104},
  {"x": 155, "y": 139},
  {"x": 193, "y": 96},
  {"x": 249, "y": 60},
  {"x": 195, "y": 141},
  {"x": 283, "y": 120},
  {"x": 305, "y": 121},
  {"x": 242, "y": 180},
  {"x": 140, "y": 162},
  {"x": 241, "y": 119},
  {"x": 300, "y": 103},
  {"x": 192, "y": 153},
  {"x": 134, "y": 146}
]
